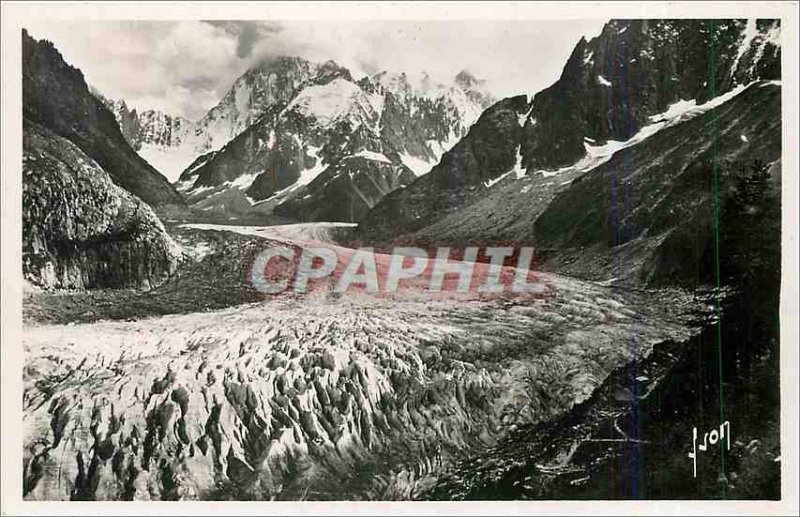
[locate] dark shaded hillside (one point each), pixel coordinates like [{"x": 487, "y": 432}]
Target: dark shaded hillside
[
  {"x": 636, "y": 68},
  {"x": 631, "y": 438},
  {"x": 56, "y": 96},
  {"x": 349, "y": 189},
  {"x": 277, "y": 162},
  {"x": 647, "y": 214},
  {"x": 271, "y": 153},
  {"x": 508, "y": 211},
  {"x": 484, "y": 154},
  {"x": 211, "y": 282},
  {"x": 79, "y": 229}
]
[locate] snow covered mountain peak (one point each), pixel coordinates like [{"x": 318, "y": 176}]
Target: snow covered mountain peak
[
  {"x": 271, "y": 81},
  {"x": 393, "y": 82},
  {"x": 336, "y": 101},
  {"x": 465, "y": 79},
  {"x": 423, "y": 85},
  {"x": 357, "y": 140},
  {"x": 408, "y": 119}
]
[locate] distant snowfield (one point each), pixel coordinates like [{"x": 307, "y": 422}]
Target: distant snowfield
[
  {"x": 244, "y": 181},
  {"x": 169, "y": 161},
  {"x": 418, "y": 166},
  {"x": 293, "y": 233},
  {"x": 371, "y": 155},
  {"x": 338, "y": 100}
]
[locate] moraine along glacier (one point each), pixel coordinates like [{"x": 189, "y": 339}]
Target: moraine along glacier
[{"x": 385, "y": 286}]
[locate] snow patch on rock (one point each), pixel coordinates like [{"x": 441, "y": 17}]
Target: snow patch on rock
[
  {"x": 372, "y": 155},
  {"x": 602, "y": 80},
  {"x": 518, "y": 170},
  {"x": 169, "y": 161},
  {"x": 676, "y": 113},
  {"x": 336, "y": 101}
]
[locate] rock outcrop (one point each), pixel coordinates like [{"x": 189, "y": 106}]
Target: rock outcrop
[
  {"x": 485, "y": 153},
  {"x": 637, "y": 68},
  {"x": 80, "y": 230},
  {"x": 648, "y": 214}
]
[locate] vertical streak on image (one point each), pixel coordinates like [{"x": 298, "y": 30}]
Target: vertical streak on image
[
  {"x": 712, "y": 76},
  {"x": 614, "y": 215},
  {"x": 637, "y": 491}
]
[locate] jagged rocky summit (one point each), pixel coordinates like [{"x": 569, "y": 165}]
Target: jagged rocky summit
[
  {"x": 327, "y": 147},
  {"x": 306, "y": 140},
  {"x": 635, "y": 78}
]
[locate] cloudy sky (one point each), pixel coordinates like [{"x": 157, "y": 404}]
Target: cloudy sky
[{"x": 185, "y": 67}]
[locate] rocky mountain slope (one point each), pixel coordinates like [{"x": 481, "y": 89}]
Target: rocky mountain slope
[
  {"x": 150, "y": 128},
  {"x": 652, "y": 206},
  {"x": 606, "y": 98},
  {"x": 155, "y": 136},
  {"x": 633, "y": 443},
  {"x": 399, "y": 127},
  {"x": 612, "y": 84},
  {"x": 272, "y": 81},
  {"x": 171, "y": 143},
  {"x": 80, "y": 230},
  {"x": 634, "y": 203},
  {"x": 56, "y": 96},
  {"x": 323, "y": 146},
  {"x": 486, "y": 152}
]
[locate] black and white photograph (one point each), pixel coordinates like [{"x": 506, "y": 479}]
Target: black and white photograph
[{"x": 473, "y": 256}]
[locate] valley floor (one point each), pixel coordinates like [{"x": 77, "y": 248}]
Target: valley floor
[{"x": 204, "y": 389}]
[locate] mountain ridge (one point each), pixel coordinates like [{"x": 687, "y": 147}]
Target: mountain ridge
[
  {"x": 331, "y": 138},
  {"x": 589, "y": 109},
  {"x": 56, "y": 96}
]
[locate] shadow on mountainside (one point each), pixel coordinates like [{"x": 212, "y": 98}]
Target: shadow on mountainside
[{"x": 630, "y": 440}]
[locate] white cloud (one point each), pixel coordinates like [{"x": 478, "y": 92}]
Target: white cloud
[
  {"x": 178, "y": 67},
  {"x": 186, "y": 67}
]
